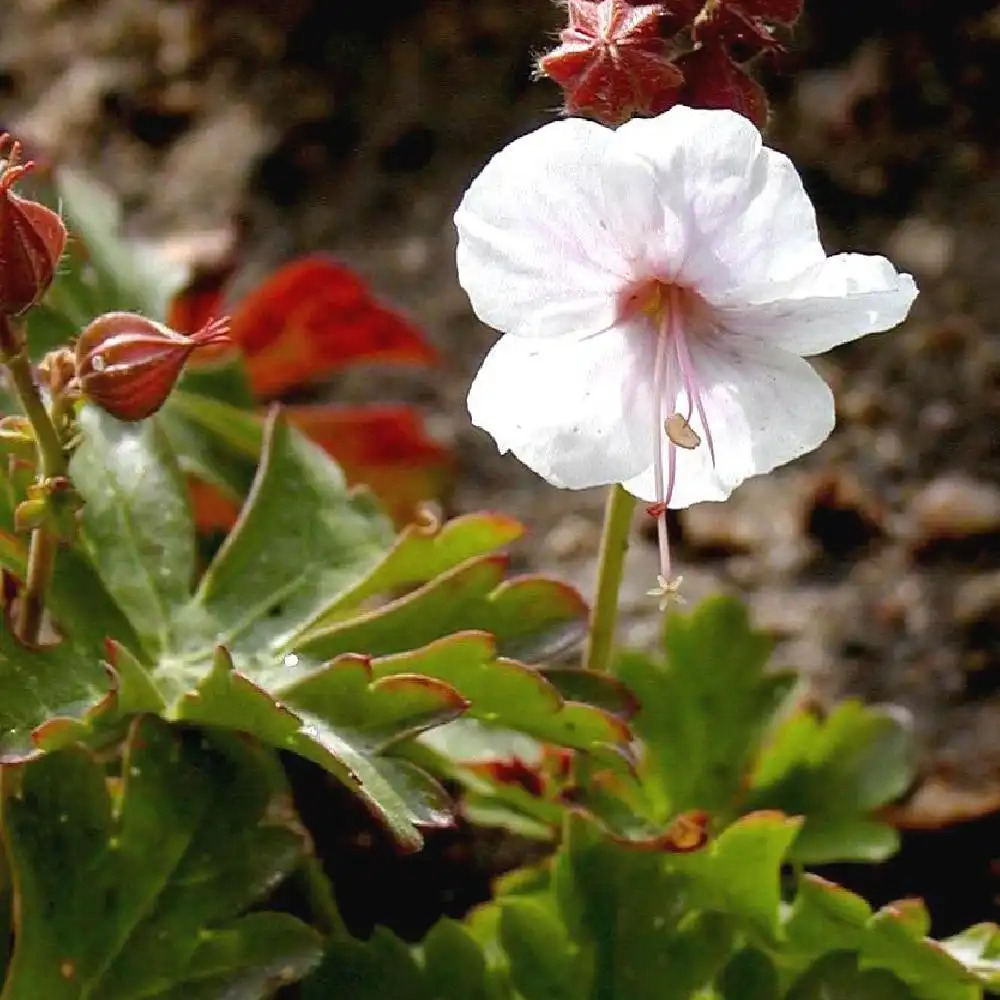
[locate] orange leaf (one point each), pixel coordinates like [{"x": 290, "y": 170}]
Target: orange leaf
[
  {"x": 385, "y": 447},
  {"x": 213, "y": 510},
  {"x": 313, "y": 317},
  {"x": 199, "y": 303}
]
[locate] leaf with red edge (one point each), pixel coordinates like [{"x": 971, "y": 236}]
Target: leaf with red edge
[
  {"x": 508, "y": 694},
  {"x": 532, "y": 617},
  {"x": 384, "y": 447},
  {"x": 314, "y": 317},
  {"x": 713, "y": 80},
  {"x": 424, "y": 550}
]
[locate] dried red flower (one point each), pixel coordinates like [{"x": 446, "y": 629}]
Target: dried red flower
[
  {"x": 743, "y": 27},
  {"x": 32, "y": 238},
  {"x": 612, "y": 61},
  {"x": 128, "y": 364},
  {"x": 713, "y": 80}
]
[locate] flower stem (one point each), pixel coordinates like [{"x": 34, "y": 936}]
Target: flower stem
[
  {"x": 41, "y": 558},
  {"x": 611, "y": 562},
  {"x": 52, "y": 459},
  {"x": 14, "y": 354}
]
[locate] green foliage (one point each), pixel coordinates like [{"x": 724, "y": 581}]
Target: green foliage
[
  {"x": 836, "y": 772},
  {"x": 305, "y": 550},
  {"x": 138, "y": 886},
  {"x": 717, "y": 738},
  {"x": 704, "y": 708},
  {"x": 449, "y": 965},
  {"x": 146, "y": 818}
]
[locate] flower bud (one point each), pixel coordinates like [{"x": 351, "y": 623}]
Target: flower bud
[
  {"x": 612, "y": 61},
  {"x": 32, "y": 239},
  {"x": 128, "y": 364}
]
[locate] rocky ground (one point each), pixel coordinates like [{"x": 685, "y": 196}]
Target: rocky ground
[{"x": 876, "y": 560}]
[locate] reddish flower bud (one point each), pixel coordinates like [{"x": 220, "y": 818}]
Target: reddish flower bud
[
  {"x": 612, "y": 62},
  {"x": 128, "y": 364},
  {"x": 32, "y": 239},
  {"x": 713, "y": 80}
]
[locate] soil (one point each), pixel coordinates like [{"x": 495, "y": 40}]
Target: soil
[{"x": 875, "y": 561}]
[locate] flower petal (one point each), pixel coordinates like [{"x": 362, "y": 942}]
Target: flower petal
[
  {"x": 841, "y": 299},
  {"x": 748, "y": 218},
  {"x": 579, "y": 415},
  {"x": 764, "y": 406},
  {"x": 551, "y": 231}
]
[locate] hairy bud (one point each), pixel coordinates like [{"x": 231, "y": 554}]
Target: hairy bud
[
  {"x": 32, "y": 239},
  {"x": 128, "y": 364}
]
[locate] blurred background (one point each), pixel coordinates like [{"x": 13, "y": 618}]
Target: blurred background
[{"x": 280, "y": 128}]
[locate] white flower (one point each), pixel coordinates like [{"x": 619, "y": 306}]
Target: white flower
[{"x": 658, "y": 286}]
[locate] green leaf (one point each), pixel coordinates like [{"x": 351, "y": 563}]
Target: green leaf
[
  {"x": 545, "y": 962},
  {"x": 13, "y": 554},
  {"x": 838, "y": 977},
  {"x": 978, "y": 949},
  {"x": 508, "y": 694},
  {"x": 636, "y": 918},
  {"x": 827, "y": 918},
  {"x": 86, "y": 624},
  {"x": 120, "y": 273},
  {"x": 379, "y": 969},
  {"x": 455, "y": 967},
  {"x": 136, "y": 521},
  {"x": 836, "y": 772},
  {"x": 531, "y": 617},
  {"x": 421, "y": 553},
  {"x": 450, "y": 965},
  {"x": 343, "y": 721},
  {"x": 6, "y": 912},
  {"x": 749, "y": 975},
  {"x": 301, "y": 539},
  {"x": 135, "y": 889},
  {"x": 100, "y": 270},
  {"x": 250, "y": 959},
  {"x": 703, "y": 713},
  {"x": 739, "y": 873},
  {"x": 218, "y": 441},
  {"x": 51, "y": 686},
  {"x": 224, "y": 381}
]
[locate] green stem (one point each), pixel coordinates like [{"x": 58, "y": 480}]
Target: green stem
[
  {"x": 41, "y": 558},
  {"x": 611, "y": 563},
  {"x": 50, "y": 450},
  {"x": 52, "y": 459}
]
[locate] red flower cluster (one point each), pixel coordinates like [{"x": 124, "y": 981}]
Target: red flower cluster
[{"x": 618, "y": 59}]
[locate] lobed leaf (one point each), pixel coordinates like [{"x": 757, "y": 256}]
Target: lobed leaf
[
  {"x": 508, "y": 694},
  {"x": 136, "y": 888},
  {"x": 57, "y": 685},
  {"x": 531, "y": 617},
  {"x": 836, "y": 772},
  {"x": 704, "y": 711},
  {"x": 136, "y": 521}
]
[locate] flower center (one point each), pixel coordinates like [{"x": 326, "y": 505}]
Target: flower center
[{"x": 675, "y": 315}]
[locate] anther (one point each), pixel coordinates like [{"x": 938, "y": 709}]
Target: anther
[{"x": 680, "y": 432}]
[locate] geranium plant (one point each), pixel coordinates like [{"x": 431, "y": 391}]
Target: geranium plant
[{"x": 180, "y": 715}]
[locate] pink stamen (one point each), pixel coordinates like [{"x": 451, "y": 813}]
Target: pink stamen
[
  {"x": 661, "y": 378},
  {"x": 672, "y": 364},
  {"x": 693, "y": 389}
]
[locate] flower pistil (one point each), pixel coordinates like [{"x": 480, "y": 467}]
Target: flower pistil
[{"x": 674, "y": 313}]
